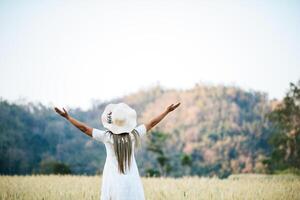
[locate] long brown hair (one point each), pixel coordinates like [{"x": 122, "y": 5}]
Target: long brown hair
[{"x": 123, "y": 148}]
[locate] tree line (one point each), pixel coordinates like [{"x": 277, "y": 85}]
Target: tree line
[{"x": 218, "y": 131}]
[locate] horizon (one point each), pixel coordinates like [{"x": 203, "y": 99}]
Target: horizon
[{"x": 25, "y": 101}]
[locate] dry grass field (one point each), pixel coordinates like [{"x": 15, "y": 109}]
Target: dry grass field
[{"x": 88, "y": 187}]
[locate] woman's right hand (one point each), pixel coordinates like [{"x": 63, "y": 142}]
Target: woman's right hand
[
  {"x": 172, "y": 107},
  {"x": 158, "y": 118},
  {"x": 63, "y": 113}
]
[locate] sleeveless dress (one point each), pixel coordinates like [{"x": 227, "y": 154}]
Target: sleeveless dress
[{"x": 115, "y": 185}]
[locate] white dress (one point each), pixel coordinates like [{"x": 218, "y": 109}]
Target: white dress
[{"x": 115, "y": 185}]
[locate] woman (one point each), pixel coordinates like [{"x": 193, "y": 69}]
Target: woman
[{"x": 120, "y": 179}]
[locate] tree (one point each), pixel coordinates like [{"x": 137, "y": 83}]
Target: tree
[
  {"x": 54, "y": 167},
  {"x": 186, "y": 162},
  {"x": 285, "y": 140},
  {"x": 157, "y": 141}
]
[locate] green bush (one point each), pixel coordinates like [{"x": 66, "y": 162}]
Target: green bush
[
  {"x": 291, "y": 170},
  {"x": 53, "y": 167}
]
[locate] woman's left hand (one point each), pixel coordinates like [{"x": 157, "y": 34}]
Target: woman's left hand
[{"x": 63, "y": 113}]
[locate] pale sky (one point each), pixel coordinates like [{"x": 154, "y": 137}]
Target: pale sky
[{"x": 68, "y": 53}]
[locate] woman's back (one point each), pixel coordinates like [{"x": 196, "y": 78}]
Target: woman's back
[{"x": 114, "y": 182}]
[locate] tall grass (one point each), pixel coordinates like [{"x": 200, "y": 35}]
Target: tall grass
[{"x": 53, "y": 187}]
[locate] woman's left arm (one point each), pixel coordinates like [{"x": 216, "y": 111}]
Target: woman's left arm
[{"x": 80, "y": 125}]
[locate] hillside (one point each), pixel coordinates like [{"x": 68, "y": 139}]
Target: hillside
[{"x": 221, "y": 129}]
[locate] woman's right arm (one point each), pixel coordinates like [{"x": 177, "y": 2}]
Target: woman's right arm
[
  {"x": 80, "y": 125},
  {"x": 158, "y": 118}
]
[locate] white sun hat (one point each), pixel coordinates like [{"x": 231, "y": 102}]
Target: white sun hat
[{"x": 119, "y": 118}]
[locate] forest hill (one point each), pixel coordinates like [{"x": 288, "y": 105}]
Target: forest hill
[{"x": 217, "y": 130}]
